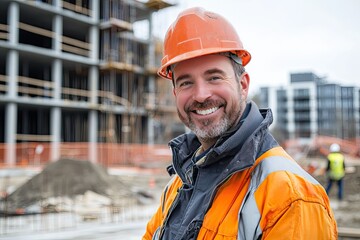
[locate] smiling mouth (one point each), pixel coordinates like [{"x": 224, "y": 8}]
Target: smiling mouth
[{"x": 206, "y": 111}]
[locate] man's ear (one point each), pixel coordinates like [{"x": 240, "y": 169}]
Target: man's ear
[{"x": 245, "y": 83}]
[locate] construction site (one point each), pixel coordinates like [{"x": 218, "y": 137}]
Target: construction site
[
  {"x": 76, "y": 79},
  {"x": 85, "y": 121},
  {"x": 78, "y": 85}
]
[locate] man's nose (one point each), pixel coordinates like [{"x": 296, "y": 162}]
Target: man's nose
[{"x": 201, "y": 92}]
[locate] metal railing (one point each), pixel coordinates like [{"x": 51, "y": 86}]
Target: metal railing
[
  {"x": 349, "y": 233},
  {"x": 48, "y": 222}
]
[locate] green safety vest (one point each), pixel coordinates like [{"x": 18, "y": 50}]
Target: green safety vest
[{"x": 337, "y": 170}]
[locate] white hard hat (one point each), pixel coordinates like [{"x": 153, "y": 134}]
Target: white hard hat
[{"x": 334, "y": 147}]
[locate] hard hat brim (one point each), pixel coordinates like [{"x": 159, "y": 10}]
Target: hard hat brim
[{"x": 165, "y": 73}]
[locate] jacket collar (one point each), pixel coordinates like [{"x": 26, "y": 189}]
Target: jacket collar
[{"x": 240, "y": 142}]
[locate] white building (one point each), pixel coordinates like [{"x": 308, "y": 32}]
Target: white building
[{"x": 310, "y": 106}]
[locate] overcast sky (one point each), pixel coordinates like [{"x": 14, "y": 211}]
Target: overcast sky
[{"x": 288, "y": 36}]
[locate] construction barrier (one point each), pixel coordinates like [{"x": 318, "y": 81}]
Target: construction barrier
[{"x": 107, "y": 154}]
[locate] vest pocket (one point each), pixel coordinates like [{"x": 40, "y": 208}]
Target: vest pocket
[
  {"x": 208, "y": 234},
  {"x": 192, "y": 231}
]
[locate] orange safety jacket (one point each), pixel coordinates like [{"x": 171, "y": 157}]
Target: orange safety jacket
[{"x": 274, "y": 198}]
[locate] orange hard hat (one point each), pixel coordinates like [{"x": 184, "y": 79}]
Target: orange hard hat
[{"x": 197, "y": 32}]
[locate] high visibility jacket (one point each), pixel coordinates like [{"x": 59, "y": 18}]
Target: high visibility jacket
[
  {"x": 247, "y": 188},
  {"x": 336, "y": 165}
]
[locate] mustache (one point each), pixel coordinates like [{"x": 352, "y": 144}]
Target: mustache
[{"x": 203, "y": 105}]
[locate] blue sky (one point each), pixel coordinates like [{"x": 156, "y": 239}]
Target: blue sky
[{"x": 286, "y": 36}]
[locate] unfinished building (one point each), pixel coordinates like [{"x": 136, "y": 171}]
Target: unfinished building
[{"x": 74, "y": 78}]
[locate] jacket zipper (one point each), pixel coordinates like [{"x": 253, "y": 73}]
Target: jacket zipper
[
  {"x": 212, "y": 196},
  {"x": 173, "y": 204}
]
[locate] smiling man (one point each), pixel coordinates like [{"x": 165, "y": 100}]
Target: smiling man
[
  {"x": 231, "y": 180},
  {"x": 209, "y": 97}
]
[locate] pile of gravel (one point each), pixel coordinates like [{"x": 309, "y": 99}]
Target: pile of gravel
[{"x": 67, "y": 178}]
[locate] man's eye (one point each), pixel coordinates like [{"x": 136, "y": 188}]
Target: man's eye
[
  {"x": 213, "y": 78},
  {"x": 184, "y": 84}
]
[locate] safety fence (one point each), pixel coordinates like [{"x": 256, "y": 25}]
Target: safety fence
[
  {"x": 73, "y": 220},
  {"x": 348, "y": 233},
  {"x": 107, "y": 154},
  {"x": 51, "y": 222}
]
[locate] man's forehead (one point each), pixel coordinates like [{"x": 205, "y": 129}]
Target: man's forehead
[{"x": 210, "y": 61}]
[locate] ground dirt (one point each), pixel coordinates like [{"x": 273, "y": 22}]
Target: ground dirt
[
  {"x": 347, "y": 210},
  {"x": 68, "y": 178}
]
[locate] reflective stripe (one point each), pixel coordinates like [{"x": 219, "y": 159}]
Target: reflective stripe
[
  {"x": 274, "y": 164},
  {"x": 156, "y": 234},
  {"x": 249, "y": 214},
  {"x": 249, "y": 219}
]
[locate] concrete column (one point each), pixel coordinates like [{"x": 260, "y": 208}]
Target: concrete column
[
  {"x": 93, "y": 116},
  {"x": 94, "y": 78},
  {"x": 95, "y": 7},
  {"x": 56, "y": 78},
  {"x": 151, "y": 81},
  {"x": 55, "y": 119},
  {"x": 55, "y": 113},
  {"x": 94, "y": 43},
  {"x": 13, "y": 20},
  {"x": 12, "y": 67},
  {"x": 94, "y": 30},
  {"x": 10, "y": 133},
  {"x": 58, "y": 31},
  {"x": 57, "y": 4},
  {"x": 93, "y": 124}
]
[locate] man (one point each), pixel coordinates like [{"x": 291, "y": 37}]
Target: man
[
  {"x": 335, "y": 169},
  {"x": 233, "y": 180}
]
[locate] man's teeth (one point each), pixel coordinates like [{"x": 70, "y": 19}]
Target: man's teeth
[{"x": 207, "y": 111}]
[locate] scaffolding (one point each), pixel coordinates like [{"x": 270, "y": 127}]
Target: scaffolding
[{"x": 74, "y": 72}]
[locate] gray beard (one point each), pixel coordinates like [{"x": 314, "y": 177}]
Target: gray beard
[
  {"x": 218, "y": 128},
  {"x": 209, "y": 134}
]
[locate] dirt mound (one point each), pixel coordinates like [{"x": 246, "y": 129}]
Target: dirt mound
[{"x": 69, "y": 178}]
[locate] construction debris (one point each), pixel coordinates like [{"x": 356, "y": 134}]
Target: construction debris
[{"x": 65, "y": 178}]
